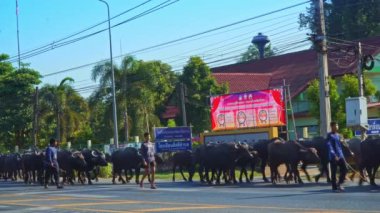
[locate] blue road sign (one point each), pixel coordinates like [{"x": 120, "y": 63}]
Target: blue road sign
[
  {"x": 172, "y": 133},
  {"x": 171, "y": 139},
  {"x": 173, "y": 146},
  {"x": 373, "y": 129}
]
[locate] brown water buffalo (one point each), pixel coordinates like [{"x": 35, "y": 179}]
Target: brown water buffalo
[{"x": 289, "y": 153}]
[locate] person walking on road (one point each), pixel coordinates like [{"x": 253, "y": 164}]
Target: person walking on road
[
  {"x": 51, "y": 163},
  {"x": 336, "y": 158},
  {"x": 147, "y": 151}
]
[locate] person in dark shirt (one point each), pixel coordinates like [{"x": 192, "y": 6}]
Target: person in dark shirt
[
  {"x": 336, "y": 158},
  {"x": 147, "y": 151},
  {"x": 51, "y": 163}
]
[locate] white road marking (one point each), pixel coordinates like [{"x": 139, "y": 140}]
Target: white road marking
[
  {"x": 175, "y": 189},
  {"x": 42, "y": 208},
  {"x": 84, "y": 195}
]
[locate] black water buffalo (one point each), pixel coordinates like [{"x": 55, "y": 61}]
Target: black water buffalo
[
  {"x": 183, "y": 159},
  {"x": 354, "y": 160},
  {"x": 127, "y": 159},
  {"x": 2, "y": 161},
  {"x": 33, "y": 165},
  {"x": 245, "y": 162},
  {"x": 199, "y": 156},
  {"x": 221, "y": 159},
  {"x": 70, "y": 161},
  {"x": 370, "y": 158},
  {"x": 261, "y": 147},
  {"x": 12, "y": 166},
  {"x": 289, "y": 153},
  {"x": 319, "y": 143},
  {"x": 93, "y": 158}
]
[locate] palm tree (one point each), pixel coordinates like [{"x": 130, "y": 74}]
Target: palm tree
[
  {"x": 102, "y": 72},
  {"x": 140, "y": 88},
  {"x": 66, "y": 105}
]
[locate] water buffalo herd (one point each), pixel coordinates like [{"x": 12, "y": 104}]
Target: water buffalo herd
[
  {"x": 213, "y": 162},
  {"x": 220, "y": 159}
]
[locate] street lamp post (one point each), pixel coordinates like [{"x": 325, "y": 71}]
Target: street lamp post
[{"x": 116, "y": 138}]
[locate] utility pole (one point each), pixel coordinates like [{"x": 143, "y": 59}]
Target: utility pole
[
  {"x": 360, "y": 71},
  {"x": 35, "y": 118},
  {"x": 363, "y": 129},
  {"x": 183, "y": 106},
  {"x": 324, "y": 97},
  {"x": 114, "y": 109},
  {"x": 18, "y": 37}
]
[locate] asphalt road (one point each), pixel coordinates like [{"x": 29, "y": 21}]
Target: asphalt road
[{"x": 188, "y": 197}]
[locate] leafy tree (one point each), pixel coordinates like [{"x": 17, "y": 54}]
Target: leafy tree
[
  {"x": 200, "y": 85},
  {"x": 349, "y": 88},
  {"x": 171, "y": 123},
  {"x": 67, "y": 107},
  {"x": 141, "y": 89},
  {"x": 348, "y": 19},
  {"x": 16, "y": 94},
  {"x": 312, "y": 94},
  {"x": 252, "y": 53}
]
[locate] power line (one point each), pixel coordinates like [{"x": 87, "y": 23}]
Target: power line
[
  {"x": 151, "y": 10},
  {"x": 222, "y": 32},
  {"x": 183, "y": 38},
  {"x": 229, "y": 44},
  {"x": 218, "y": 49},
  {"x": 351, "y": 43},
  {"x": 82, "y": 31},
  {"x": 217, "y": 28},
  {"x": 235, "y": 57}
]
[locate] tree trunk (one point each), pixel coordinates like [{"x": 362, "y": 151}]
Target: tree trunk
[
  {"x": 126, "y": 125},
  {"x": 58, "y": 126}
]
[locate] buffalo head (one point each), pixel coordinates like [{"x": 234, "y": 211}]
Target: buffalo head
[
  {"x": 78, "y": 160},
  {"x": 309, "y": 155},
  {"x": 98, "y": 158}
]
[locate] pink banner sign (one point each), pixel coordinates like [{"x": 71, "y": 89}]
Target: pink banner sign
[{"x": 249, "y": 109}]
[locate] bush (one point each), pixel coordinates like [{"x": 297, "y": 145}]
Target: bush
[{"x": 105, "y": 171}]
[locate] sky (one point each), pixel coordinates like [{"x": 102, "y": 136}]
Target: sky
[{"x": 42, "y": 22}]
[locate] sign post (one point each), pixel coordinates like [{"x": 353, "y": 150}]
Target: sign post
[
  {"x": 171, "y": 139},
  {"x": 373, "y": 128}
]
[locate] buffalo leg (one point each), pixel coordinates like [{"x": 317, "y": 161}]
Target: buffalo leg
[
  {"x": 89, "y": 177},
  {"x": 303, "y": 167},
  {"x": 253, "y": 164},
  {"x": 181, "y": 171},
  {"x": 273, "y": 171},
  {"x": 373, "y": 175},
  {"x": 296, "y": 173},
  {"x": 113, "y": 176},
  {"x": 263, "y": 164},
  {"x": 200, "y": 172},
  {"x": 174, "y": 166}
]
